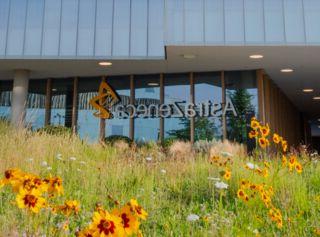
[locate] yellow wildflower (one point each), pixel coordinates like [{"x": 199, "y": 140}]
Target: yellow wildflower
[{"x": 31, "y": 200}]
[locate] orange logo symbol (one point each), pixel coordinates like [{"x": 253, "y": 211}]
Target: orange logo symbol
[{"x": 103, "y": 102}]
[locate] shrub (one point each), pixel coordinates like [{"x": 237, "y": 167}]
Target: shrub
[
  {"x": 55, "y": 130},
  {"x": 116, "y": 138}
]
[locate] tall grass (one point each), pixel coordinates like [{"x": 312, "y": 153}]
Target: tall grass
[{"x": 169, "y": 189}]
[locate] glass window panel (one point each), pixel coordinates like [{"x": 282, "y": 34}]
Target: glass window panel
[
  {"x": 208, "y": 88},
  {"x": 193, "y": 21},
  {"x": 69, "y": 21},
  {"x": 51, "y": 28},
  {"x": 86, "y": 27},
  {"x": 254, "y": 24},
  {"x": 273, "y": 15},
  {"x": 139, "y": 24},
  {"x": 4, "y": 13},
  {"x": 36, "y": 104},
  {"x": 16, "y": 27},
  {"x": 103, "y": 36},
  {"x": 88, "y": 124},
  {"x": 121, "y": 84},
  {"x": 177, "y": 89},
  {"x": 312, "y": 16},
  {"x": 121, "y": 28},
  {"x": 155, "y": 28},
  {"x": 234, "y": 21},
  {"x": 5, "y": 99},
  {"x": 241, "y": 89},
  {"x": 147, "y": 92},
  {"x": 34, "y": 27},
  {"x": 214, "y": 21},
  {"x": 293, "y": 13},
  {"x": 61, "y": 104},
  {"x": 174, "y": 24}
]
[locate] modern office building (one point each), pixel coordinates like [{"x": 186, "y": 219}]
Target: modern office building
[{"x": 262, "y": 55}]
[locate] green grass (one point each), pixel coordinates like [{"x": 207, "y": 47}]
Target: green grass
[{"x": 168, "y": 197}]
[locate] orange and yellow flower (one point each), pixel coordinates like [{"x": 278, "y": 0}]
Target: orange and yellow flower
[
  {"x": 129, "y": 221},
  {"x": 263, "y": 142},
  {"x": 276, "y": 138},
  {"x": 31, "y": 200},
  {"x": 265, "y": 130},
  {"x": 105, "y": 224},
  {"x": 137, "y": 209}
]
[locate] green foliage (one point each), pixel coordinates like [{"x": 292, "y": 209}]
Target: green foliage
[
  {"x": 115, "y": 138},
  {"x": 205, "y": 129},
  {"x": 55, "y": 130},
  {"x": 236, "y": 125}
]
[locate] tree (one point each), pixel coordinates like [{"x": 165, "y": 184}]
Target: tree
[
  {"x": 236, "y": 125},
  {"x": 204, "y": 129}
]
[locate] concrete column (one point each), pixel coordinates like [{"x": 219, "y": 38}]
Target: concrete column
[{"x": 19, "y": 97}]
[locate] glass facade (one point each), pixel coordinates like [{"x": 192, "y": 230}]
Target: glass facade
[
  {"x": 241, "y": 89},
  {"x": 5, "y": 99},
  {"x": 208, "y": 90},
  {"x": 147, "y": 92},
  {"x": 177, "y": 90},
  {"x": 172, "y": 93},
  {"x": 35, "y": 113}
]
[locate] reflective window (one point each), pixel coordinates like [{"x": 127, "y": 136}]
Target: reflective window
[
  {"x": 5, "y": 99},
  {"x": 177, "y": 89},
  {"x": 61, "y": 105},
  {"x": 147, "y": 92},
  {"x": 119, "y": 126},
  {"x": 36, "y": 104},
  {"x": 88, "y": 124},
  {"x": 208, "y": 92},
  {"x": 241, "y": 89}
]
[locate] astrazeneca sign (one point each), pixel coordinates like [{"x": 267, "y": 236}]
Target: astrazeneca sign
[
  {"x": 107, "y": 105},
  {"x": 176, "y": 109}
]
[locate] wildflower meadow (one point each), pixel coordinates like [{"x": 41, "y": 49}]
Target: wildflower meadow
[{"x": 60, "y": 185}]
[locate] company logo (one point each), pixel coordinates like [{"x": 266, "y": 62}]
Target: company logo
[
  {"x": 104, "y": 101},
  {"x": 107, "y": 98}
]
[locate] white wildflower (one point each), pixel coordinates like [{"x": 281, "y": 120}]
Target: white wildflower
[
  {"x": 83, "y": 162},
  {"x": 59, "y": 157},
  {"x": 44, "y": 163},
  {"x": 163, "y": 171},
  {"x": 148, "y": 158},
  {"x": 221, "y": 185},
  {"x": 49, "y": 168},
  {"x": 252, "y": 166},
  {"x": 72, "y": 158},
  {"x": 193, "y": 217}
]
